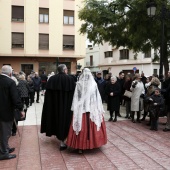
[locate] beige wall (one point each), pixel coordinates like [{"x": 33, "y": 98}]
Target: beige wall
[
  {"x": 5, "y": 27},
  {"x": 31, "y": 28},
  {"x": 31, "y": 19},
  {"x": 56, "y": 27},
  {"x": 80, "y": 39}
]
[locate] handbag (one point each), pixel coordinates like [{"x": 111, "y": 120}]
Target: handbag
[{"x": 128, "y": 94}]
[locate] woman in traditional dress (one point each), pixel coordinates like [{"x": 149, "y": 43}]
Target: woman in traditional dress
[{"x": 88, "y": 129}]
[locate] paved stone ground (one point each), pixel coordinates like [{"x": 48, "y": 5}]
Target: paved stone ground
[{"x": 130, "y": 147}]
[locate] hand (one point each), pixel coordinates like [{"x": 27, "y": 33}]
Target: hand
[
  {"x": 150, "y": 99},
  {"x": 142, "y": 96},
  {"x": 155, "y": 104},
  {"x": 111, "y": 94},
  {"x": 22, "y": 114}
]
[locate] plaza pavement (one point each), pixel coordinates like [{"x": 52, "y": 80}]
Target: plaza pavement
[{"x": 130, "y": 146}]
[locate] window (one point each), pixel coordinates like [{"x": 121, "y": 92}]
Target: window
[
  {"x": 18, "y": 13},
  {"x": 124, "y": 54},
  {"x": 68, "y": 17},
  {"x": 43, "y": 15},
  {"x": 148, "y": 54},
  {"x": 17, "y": 40},
  {"x": 44, "y": 41},
  {"x": 155, "y": 71},
  {"x": 68, "y": 42},
  {"x": 91, "y": 60},
  {"x": 108, "y": 54},
  {"x": 89, "y": 46}
]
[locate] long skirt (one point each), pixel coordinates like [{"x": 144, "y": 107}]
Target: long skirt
[{"x": 88, "y": 137}]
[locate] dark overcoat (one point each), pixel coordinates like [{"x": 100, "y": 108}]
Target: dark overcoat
[
  {"x": 113, "y": 103},
  {"x": 57, "y": 114},
  {"x": 9, "y": 99}
]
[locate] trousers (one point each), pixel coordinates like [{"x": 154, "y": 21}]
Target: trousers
[{"x": 5, "y": 133}]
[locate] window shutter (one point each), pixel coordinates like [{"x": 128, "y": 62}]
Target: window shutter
[
  {"x": 44, "y": 11},
  {"x": 18, "y": 38},
  {"x": 43, "y": 41},
  {"x": 68, "y": 39},
  {"x": 68, "y": 13},
  {"x": 17, "y": 12}
]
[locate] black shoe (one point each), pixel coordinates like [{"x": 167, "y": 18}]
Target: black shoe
[
  {"x": 37, "y": 101},
  {"x": 143, "y": 119},
  {"x": 138, "y": 121},
  {"x": 63, "y": 147},
  {"x": 13, "y": 134},
  {"x": 11, "y": 150},
  {"x": 148, "y": 124},
  {"x": 166, "y": 130},
  {"x": 126, "y": 116},
  {"x": 7, "y": 156},
  {"x": 110, "y": 119},
  {"x": 115, "y": 120},
  {"x": 119, "y": 115},
  {"x": 133, "y": 121},
  {"x": 30, "y": 104}
]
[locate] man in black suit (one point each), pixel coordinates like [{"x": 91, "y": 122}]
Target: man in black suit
[{"x": 9, "y": 100}]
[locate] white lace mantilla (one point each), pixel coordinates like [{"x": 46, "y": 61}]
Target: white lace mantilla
[{"x": 86, "y": 99}]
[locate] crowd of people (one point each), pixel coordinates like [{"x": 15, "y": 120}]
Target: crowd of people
[{"x": 73, "y": 106}]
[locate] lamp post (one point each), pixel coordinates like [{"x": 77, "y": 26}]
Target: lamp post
[{"x": 151, "y": 10}]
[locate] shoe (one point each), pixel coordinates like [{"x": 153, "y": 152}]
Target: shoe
[
  {"x": 133, "y": 121},
  {"x": 13, "y": 134},
  {"x": 80, "y": 151},
  {"x": 7, "y": 156},
  {"x": 138, "y": 121},
  {"x": 115, "y": 120},
  {"x": 63, "y": 147},
  {"x": 30, "y": 104},
  {"x": 155, "y": 129},
  {"x": 119, "y": 115},
  {"x": 166, "y": 130},
  {"x": 126, "y": 116},
  {"x": 37, "y": 101},
  {"x": 148, "y": 124},
  {"x": 11, "y": 150},
  {"x": 110, "y": 119},
  {"x": 143, "y": 119}
]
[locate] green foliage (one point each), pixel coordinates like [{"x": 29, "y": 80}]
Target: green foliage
[{"x": 122, "y": 23}]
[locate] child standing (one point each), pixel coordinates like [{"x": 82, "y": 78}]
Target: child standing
[{"x": 156, "y": 103}]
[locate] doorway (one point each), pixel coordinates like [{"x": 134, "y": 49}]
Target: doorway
[{"x": 27, "y": 68}]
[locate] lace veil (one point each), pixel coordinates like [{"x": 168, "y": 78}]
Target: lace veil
[{"x": 86, "y": 99}]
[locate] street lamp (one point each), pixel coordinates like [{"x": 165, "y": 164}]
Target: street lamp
[{"x": 151, "y": 10}]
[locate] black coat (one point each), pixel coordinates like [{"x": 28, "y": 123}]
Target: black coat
[
  {"x": 9, "y": 99},
  {"x": 37, "y": 83},
  {"x": 101, "y": 84},
  {"x": 113, "y": 103},
  {"x": 57, "y": 114}
]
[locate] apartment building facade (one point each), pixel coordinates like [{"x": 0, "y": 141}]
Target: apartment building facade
[
  {"x": 40, "y": 34},
  {"x": 109, "y": 59}
]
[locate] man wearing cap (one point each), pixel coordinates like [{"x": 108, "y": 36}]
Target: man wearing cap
[{"x": 101, "y": 83}]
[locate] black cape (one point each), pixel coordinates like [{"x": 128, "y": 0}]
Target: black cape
[{"x": 57, "y": 114}]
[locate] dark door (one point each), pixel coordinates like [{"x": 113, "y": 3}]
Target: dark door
[{"x": 27, "y": 68}]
